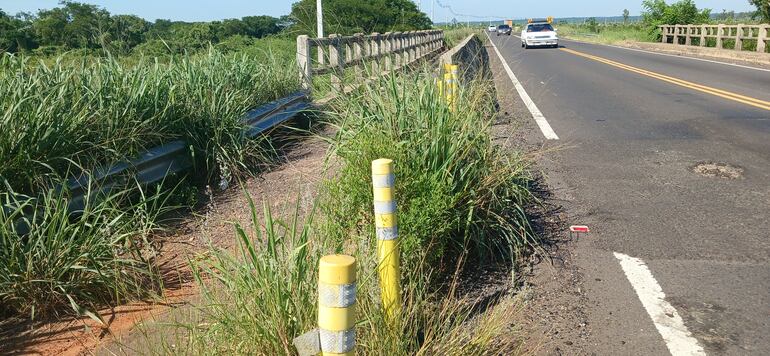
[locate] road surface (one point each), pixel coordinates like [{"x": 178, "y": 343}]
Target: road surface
[{"x": 678, "y": 260}]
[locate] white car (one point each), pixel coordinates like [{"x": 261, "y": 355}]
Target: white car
[
  {"x": 492, "y": 28},
  {"x": 539, "y": 34}
]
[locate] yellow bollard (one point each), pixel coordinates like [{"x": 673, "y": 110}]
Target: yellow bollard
[
  {"x": 450, "y": 80},
  {"x": 387, "y": 237},
  {"x": 337, "y": 305}
]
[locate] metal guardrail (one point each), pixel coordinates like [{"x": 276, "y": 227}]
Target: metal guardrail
[
  {"x": 720, "y": 33},
  {"x": 157, "y": 163}
]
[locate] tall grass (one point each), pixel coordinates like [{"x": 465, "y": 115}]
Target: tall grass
[
  {"x": 608, "y": 34},
  {"x": 454, "y": 36},
  {"x": 256, "y": 301},
  {"x": 459, "y": 197},
  {"x": 52, "y": 262},
  {"x": 101, "y": 110},
  {"x": 456, "y": 190},
  {"x": 67, "y": 118}
]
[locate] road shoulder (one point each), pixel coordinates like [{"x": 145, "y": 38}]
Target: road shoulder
[{"x": 553, "y": 318}]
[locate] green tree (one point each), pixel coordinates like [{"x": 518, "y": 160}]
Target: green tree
[
  {"x": 260, "y": 26},
  {"x": 74, "y": 25},
  {"x": 128, "y": 31},
  {"x": 592, "y": 24},
  {"x": 351, "y": 16},
  {"x": 16, "y": 33},
  {"x": 625, "y": 16},
  {"x": 682, "y": 12},
  {"x": 763, "y": 9}
]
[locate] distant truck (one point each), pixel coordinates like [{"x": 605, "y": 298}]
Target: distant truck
[{"x": 509, "y": 23}]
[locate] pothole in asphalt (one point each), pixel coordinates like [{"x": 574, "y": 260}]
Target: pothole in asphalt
[{"x": 718, "y": 170}]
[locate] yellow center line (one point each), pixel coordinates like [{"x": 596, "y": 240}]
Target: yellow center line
[{"x": 702, "y": 88}]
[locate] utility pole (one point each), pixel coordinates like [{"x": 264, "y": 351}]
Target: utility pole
[
  {"x": 319, "y": 11},
  {"x": 432, "y": 10},
  {"x": 319, "y": 18}
]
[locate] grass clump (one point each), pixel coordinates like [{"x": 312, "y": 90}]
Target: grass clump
[
  {"x": 454, "y": 36},
  {"x": 456, "y": 190},
  {"x": 55, "y": 263},
  {"x": 58, "y": 117}
]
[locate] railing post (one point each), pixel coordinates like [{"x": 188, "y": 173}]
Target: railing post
[
  {"x": 388, "y": 50},
  {"x": 389, "y": 257},
  {"x": 688, "y": 35},
  {"x": 703, "y": 32},
  {"x": 337, "y": 62},
  {"x": 398, "y": 41},
  {"x": 762, "y": 37},
  {"x": 304, "y": 63},
  {"x": 420, "y": 44},
  {"x": 676, "y": 34},
  {"x": 663, "y": 34},
  {"x": 337, "y": 304},
  {"x": 414, "y": 43},
  {"x": 358, "y": 54},
  {"x": 374, "y": 51},
  {"x": 739, "y": 38},
  {"x": 348, "y": 48},
  {"x": 720, "y": 33}
]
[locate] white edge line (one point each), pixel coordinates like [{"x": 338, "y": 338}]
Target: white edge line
[
  {"x": 670, "y": 325},
  {"x": 541, "y": 121},
  {"x": 671, "y": 55}
]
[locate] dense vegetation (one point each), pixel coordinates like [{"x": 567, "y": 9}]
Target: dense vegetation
[
  {"x": 92, "y": 29},
  {"x": 461, "y": 201},
  {"x": 81, "y": 88},
  {"x": 60, "y": 119},
  {"x": 352, "y": 16},
  {"x": 86, "y": 27},
  {"x": 763, "y": 9},
  {"x": 655, "y": 13}
]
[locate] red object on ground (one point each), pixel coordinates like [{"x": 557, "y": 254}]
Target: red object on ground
[{"x": 579, "y": 228}]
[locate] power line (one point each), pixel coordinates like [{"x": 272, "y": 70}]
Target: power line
[{"x": 457, "y": 14}]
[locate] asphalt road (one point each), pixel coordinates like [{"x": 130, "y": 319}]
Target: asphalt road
[{"x": 632, "y": 126}]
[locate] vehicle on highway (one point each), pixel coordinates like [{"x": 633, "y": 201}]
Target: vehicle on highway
[
  {"x": 492, "y": 28},
  {"x": 503, "y": 30},
  {"x": 539, "y": 33}
]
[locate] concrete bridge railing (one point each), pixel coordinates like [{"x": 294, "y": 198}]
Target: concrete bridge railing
[
  {"x": 375, "y": 53},
  {"x": 701, "y": 34}
]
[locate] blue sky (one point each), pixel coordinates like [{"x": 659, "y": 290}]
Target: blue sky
[{"x": 200, "y": 10}]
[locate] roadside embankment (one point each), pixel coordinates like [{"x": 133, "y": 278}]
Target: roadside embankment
[
  {"x": 469, "y": 55},
  {"x": 461, "y": 206}
]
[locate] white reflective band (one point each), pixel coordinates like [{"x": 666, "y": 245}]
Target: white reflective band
[
  {"x": 383, "y": 180},
  {"x": 385, "y": 207},
  {"x": 337, "y": 342},
  {"x": 387, "y": 233},
  {"x": 336, "y": 296}
]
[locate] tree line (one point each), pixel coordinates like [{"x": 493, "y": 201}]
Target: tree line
[{"x": 74, "y": 25}]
